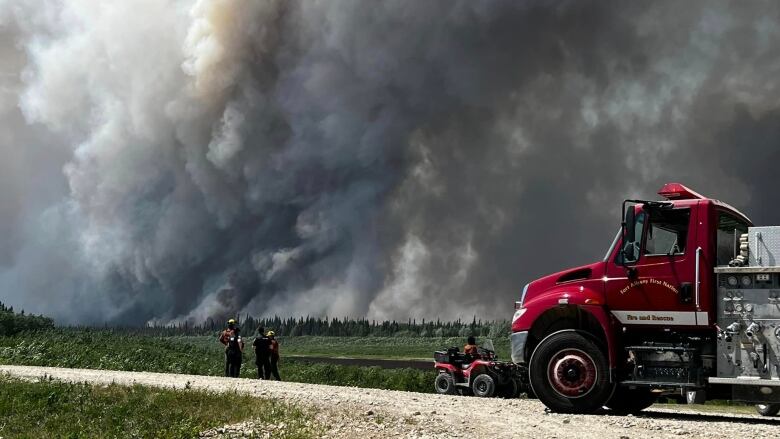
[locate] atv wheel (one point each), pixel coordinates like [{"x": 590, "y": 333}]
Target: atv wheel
[
  {"x": 629, "y": 401},
  {"x": 570, "y": 374},
  {"x": 445, "y": 385},
  {"x": 483, "y": 386},
  {"x": 768, "y": 409}
]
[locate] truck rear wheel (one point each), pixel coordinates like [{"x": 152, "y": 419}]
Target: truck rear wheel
[
  {"x": 484, "y": 386},
  {"x": 768, "y": 409},
  {"x": 625, "y": 401},
  {"x": 570, "y": 374},
  {"x": 445, "y": 384}
]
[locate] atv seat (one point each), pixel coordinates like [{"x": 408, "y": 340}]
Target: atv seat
[{"x": 452, "y": 356}]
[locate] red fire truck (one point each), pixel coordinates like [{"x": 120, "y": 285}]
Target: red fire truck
[{"x": 686, "y": 301}]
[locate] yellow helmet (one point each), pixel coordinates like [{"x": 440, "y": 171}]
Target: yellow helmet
[
  {"x": 232, "y": 322},
  {"x": 270, "y": 334}
]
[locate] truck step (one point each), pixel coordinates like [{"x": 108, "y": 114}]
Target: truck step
[
  {"x": 658, "y": 384},
  {"x": 660, "y": 347},
  {"x": 745, "y": 381}
]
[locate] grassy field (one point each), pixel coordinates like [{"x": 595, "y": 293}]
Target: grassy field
[
  {"x": 411, "y": 348},
  {"x": 105, "y": 349},
  {"x": 51, "y": 409}
]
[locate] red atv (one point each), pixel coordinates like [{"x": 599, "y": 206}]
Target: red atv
[{"x": 481, "y": 374}]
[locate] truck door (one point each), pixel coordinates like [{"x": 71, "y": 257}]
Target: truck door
[{"x": 659, "y": 290}]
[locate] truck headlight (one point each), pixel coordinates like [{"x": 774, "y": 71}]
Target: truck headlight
[{"x": 519, "y": 313}]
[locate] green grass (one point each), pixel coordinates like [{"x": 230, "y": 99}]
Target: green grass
[
  {"x": 398, "y": 348},
  {"x": 49, "y": 409},
  {"x": 118, "y": 350},
  {"x": 379, "y": 347}
]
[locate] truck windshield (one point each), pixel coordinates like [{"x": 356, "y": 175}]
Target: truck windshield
[{"x": 668, "y": 232}]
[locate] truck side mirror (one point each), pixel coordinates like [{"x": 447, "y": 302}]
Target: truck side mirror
[
  {"x": 629, "y": 236},
  {"x": 630, "y": 225}
]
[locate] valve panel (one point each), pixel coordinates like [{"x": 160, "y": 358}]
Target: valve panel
[{"x": 748, "y": 318}]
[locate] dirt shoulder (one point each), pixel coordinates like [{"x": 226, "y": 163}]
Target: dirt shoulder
[{"x": 365, "y": 413}]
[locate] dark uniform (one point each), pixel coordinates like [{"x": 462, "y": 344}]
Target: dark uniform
[{"x": 262, "y": 347}]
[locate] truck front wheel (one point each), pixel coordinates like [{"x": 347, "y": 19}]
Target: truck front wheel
[
  {"x": 768, "y": 409},
  {"x": 570, "y": 374}
]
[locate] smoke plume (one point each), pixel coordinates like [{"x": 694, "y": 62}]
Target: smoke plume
[{"x": 183, "y": 159}]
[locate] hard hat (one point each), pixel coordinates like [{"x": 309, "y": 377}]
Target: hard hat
[
  {"x": 270, "y": 334},
  {"x": 232, "y": 322}
]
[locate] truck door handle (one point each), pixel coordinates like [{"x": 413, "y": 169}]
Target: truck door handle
[
  {"x": 698, "y": 277},
  {"x": 686, "y": 292}
]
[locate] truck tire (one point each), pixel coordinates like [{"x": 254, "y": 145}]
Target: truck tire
[
  {"x": 570, "y": 374},
  {"x": 696, "y": 396},
  {"x": 483, "y": 386},
  {"x": 768, "y": 409},
  {"x": 629, "y": 401},
  {"x": 445, "y": 385}
]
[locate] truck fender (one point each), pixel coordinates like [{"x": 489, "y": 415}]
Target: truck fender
[
  {"x": 600, "y": 314},
  {"x": 585, "y": 334},
  {"x": 564, "y": 295},
  {"x": 446, "y": 368},
  {"x": 587, "y": 300}
]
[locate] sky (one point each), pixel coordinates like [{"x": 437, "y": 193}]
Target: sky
[{"x": 177, "y": 160}]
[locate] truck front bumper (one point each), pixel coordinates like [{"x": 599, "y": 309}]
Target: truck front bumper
[{"x": 517, "y": 340}]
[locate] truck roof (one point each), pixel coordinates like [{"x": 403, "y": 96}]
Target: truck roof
[
  {"x": 732, "y": 209},
  {"x": 680, "y": 194}
]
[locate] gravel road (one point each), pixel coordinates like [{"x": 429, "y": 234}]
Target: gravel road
[{"x": 367, "y": 413}]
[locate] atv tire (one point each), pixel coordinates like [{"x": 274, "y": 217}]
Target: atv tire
[
  {"x": 445, "y": 384},
  {"x": 630, "y": 401},
  {"x": 570, "y": 374},
  {"x": 768, "y": 409},
  {"x": 483, "y": 386}
]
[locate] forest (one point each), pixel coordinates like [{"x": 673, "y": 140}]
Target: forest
[{"x": 12, "y": 323}]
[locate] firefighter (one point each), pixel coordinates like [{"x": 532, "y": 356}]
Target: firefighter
[
  {"x": 234, "y": 349},
  {"x": 471, "y": 347},
  {"x": 274, "y": 356},
  {"x": 262, "y": 348}
]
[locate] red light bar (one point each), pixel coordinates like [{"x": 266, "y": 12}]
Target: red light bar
[{"x": 677, "y": 191}]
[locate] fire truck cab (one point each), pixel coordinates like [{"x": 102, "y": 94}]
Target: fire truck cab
[{"x": 683, "y": 302}]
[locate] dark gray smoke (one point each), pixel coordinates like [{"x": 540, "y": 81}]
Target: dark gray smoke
[{"x": 187, "y": 159}]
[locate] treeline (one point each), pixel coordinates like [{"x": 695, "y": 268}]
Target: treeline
[
  {"x": 12, "y": 323},
  {"x": 342, "y": 327}
]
